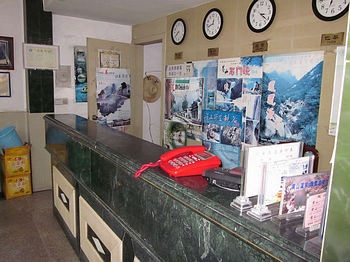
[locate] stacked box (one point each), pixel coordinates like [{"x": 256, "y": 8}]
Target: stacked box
[
  {"x": 18, "y": 186},
  {"x": 16, "y": 172}
]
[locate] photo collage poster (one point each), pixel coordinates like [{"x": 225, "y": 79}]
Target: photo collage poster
[
  {"x": 222, "y": 135},
  {"x": 113, "y": 96},
  {"x": 290, "y": 97},
  {"x": 81, "y": 89},
  {"x": 239, "y": 90},
  {"x": 183, "y": 114},
  {"x": 221, "y": 115},
  {"x": 178, "y": 129},
  {"x": 221, "y": 131}
]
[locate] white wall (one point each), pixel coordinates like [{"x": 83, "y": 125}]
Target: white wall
[
  {"x": 69, "y": 32},
  {"x": 152, "y": 111},
  {"x": 12, "y": 25}
]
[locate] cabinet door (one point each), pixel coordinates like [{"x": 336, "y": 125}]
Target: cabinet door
[
  {"x": 64, "y": 199},
  {"x": 97, "y": 240}
]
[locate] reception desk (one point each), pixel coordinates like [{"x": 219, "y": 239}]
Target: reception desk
[{"x": 109, "y": 215}]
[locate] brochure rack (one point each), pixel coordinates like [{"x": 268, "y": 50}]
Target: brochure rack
[
  {"x": 257, "y": 156},
  {"x": 314, "y": 212},
  {"x": 254, "y": 159},
  {"x": 303, "y": 200}
]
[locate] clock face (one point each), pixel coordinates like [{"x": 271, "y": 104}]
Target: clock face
[
  {"x": 329, "y": 10},
  {"x": 212, "y": 23},
  {"x": 178, "y": 31},
  {"x": 260, "y": 15}
]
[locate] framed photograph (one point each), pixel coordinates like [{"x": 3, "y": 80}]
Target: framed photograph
[
  {"x": 41, "y": 56},
  {"x": 63, "y": 77},
  {"x": 109, "y": 59},
  {"x": 5, "y": 84},
  {"x": 6, "y": 53}
]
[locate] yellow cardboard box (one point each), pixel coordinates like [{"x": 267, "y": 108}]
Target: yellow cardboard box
[
  {"x": 16, "y": 161},
  {"x": 17, "y": 186}
]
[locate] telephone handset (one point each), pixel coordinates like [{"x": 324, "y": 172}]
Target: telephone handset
[{"x": 188, "y": 161}]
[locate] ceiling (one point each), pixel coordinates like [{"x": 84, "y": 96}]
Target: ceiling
[{"x": 125, "y": 12}]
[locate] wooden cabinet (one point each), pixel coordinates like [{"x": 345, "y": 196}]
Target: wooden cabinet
[
  {"x": 97, "y": 240},
  {"x": 64, "y": 199}
]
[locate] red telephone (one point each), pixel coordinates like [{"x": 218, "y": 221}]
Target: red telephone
[{"x": 188, "y": 161}]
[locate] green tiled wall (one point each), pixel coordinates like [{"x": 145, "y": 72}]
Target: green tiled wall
[
  {"x": 38, "y": 23},
  {"x": 337, "y": 237},
  {"x": 41, "y": 91},
  {"x": 40, "y": 82}
]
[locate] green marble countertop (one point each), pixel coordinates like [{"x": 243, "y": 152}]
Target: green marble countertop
[{"x": 210, "y": 202}]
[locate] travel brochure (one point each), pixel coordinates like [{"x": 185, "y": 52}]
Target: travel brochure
[
  {"x": 314, "y": 211},
  {"x": 258, "y": 156},
  {"x": 297, "y": 189},
  {"x": 276, "y": 171}
]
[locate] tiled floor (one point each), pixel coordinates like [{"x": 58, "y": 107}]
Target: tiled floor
[{"x": 29, "y": 231}]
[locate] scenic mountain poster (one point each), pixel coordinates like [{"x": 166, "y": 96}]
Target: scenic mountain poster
[
  {"x": 113, "y": 96},
  {"x": 290, "y": 97}
]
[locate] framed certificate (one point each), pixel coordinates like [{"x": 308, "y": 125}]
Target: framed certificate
[
  {"x": 6, "y": 53},
  {"x": 41, "y": 56},
  {"x": 109, "y": 59},
  {"x": 5, "y": 84}
]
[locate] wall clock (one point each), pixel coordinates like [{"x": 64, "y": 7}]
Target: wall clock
[
  {"x": 329, "y": 10},
  {"x": 212, "y": 23},
  {"x": 178, "y": 31},
  {"x": 260, "y": 15}
]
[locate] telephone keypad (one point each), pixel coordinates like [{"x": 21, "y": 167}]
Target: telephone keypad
[
  {"x": 183, "y": 161},
  {"x": 188, "y": 161}
]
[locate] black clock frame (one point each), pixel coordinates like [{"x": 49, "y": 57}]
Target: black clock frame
[
  {"x": 205, "y": 18},
  {"x": 328, "y": 18},
  {"x": 172, "y": 28},
  {"x": 268, "y": 24}
]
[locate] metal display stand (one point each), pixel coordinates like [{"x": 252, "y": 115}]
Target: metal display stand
[
  {"x": 241, "y": 202},
  {"x": 260, "y": 211}
]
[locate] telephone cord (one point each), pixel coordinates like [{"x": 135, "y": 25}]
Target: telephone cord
[{"x": 144, "y": 167}]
